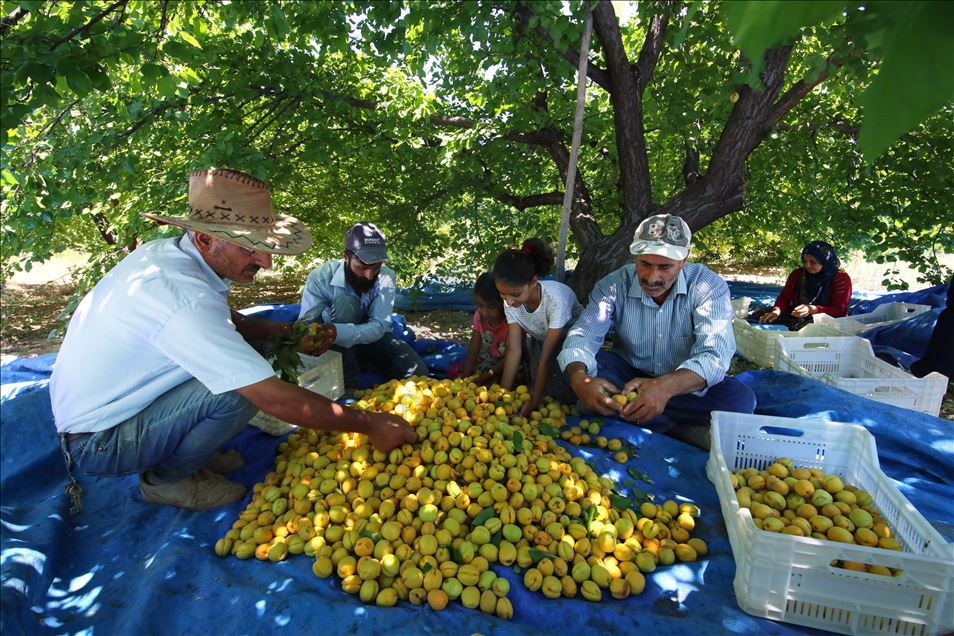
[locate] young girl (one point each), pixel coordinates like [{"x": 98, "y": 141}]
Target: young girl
[
  {"x": 485, "y": 355},
  {"x": 544, "y": 309}
]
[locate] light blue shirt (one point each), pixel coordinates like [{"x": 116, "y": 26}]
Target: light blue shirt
[
  {"x": 158, "y": 318},
  {"x": 691, "y": 330},
  {"x": 327, "y": 282}
]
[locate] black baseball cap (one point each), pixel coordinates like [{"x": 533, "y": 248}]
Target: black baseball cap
[{"x": 366, "y": 241}]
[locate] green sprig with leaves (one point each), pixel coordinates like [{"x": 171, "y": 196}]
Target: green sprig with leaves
[{"x": 285, "y": 352}]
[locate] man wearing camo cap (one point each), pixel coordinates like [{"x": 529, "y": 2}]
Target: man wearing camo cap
[{"x": 673, "y": 342}]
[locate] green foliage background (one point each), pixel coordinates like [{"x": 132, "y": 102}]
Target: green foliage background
[{"x": 406, "y": 113}]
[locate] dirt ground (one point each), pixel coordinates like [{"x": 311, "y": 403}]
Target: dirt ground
[{"x": 29, "y": 325}]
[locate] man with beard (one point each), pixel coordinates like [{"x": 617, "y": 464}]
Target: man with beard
[
  {"x": 156, "y": 371},
  {"x": 673, "y": 339},
  {"x": 353, "y": 298}
]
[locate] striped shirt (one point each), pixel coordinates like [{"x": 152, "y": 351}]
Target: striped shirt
[{"x": 691, "y": 330}]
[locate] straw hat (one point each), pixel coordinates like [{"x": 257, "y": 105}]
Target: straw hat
[{"x": 236, "y": 207}]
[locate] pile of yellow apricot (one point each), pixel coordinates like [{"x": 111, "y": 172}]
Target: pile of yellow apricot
[{"x": 481, "y": 486}]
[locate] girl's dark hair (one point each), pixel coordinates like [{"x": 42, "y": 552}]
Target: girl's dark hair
[
  {"x": 519, "y": 266},
  {"x": 485, "y": 288}
]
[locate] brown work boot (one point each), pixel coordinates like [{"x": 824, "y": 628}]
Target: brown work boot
[
  {"x": 224, "y": 461},
  {"x": 200, "y": 491}
]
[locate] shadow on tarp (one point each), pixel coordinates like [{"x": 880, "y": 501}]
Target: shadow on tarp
[{"x": 126, "y": 567}]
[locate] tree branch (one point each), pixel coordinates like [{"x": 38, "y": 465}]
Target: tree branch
[
  {"x": 69, "y": 36},
  {"x": 102, "y": 226},
  {"x": 594, "y": 72},
  {"x": 796, "y": 93},
  {"x": 530, "y": 201},
  {"x": 163, "y": 20},
  {"x": 11, "y": 19},
  {"x": 690, "y": 168},
  {"x": 627, "y": 101},
  {"x": 652, "y": 48}
]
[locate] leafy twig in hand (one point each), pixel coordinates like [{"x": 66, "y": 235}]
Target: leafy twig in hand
[{"x": 286, "y": 355}]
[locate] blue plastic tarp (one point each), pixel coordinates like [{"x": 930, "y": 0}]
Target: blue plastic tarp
[
  {"x": 22, "y": 375},
  {"x": 460, "y": 298},
  {"x": 123, "y": 566},
  {"x": 932, "y": 296}
]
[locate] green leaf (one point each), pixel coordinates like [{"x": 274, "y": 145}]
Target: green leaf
[
  {"x": 539, "y": 555},
  {"x": 590, "y": 515},
  {"x": 518, "y": 441},
  {"x": 690, "y": 13},
  {"x": 167, "y": 86},
  {"x": 639, "y": 496},
  {"x": 620, "y": 502},
  {"x": 484, "y": 515},
  {"x": 638, "y": 474},
  {"x": 7, "y": 177},
  {"x": 758, "y": 25},
  {"x": 279, "y": 21},
  {"x": 546, "y": 429},
  {"x": 185, "y": 35},
  {"x": 152, "y": 72},
  {"x": 99, "y": 78},
  {"x": 370, "y": 535},
  {"x": 916, "y": 76},
  {"x": 178, "y": 50},
  {"x": 79, "y": 82}
]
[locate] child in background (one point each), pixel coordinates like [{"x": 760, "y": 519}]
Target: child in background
[
  {"x": 485, "y": 354},
  {"x": 545, "y": 310}
]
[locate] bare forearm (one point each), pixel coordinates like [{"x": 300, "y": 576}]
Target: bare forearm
[
  {"x": 252, "y": 328},
  {"x": 291, "y": 403},
  {"x": 575, "y": 372},
  {"x": 682, "y": 381},
  {"x": 511, "y": 362}
]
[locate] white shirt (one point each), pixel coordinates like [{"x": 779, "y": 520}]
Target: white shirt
[
  {"x": 156, "y": 320},
  {"x": 558, "y": 308},
  {"x": 327, "y": 282}
]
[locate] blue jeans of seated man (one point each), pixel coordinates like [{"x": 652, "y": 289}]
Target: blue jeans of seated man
[
  {"x": 172, "y": 437},
  {"x": 728, "y": 395},
  {"x": 390, "y": 356}
]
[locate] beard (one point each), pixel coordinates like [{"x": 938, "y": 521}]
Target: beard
[{"x": 360, "y": 285}]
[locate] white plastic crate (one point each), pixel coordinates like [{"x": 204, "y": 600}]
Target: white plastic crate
[
  {"x": 791, "y": 579},
  {"x": 882, "y": 315},
  {"x": 323, "y": 375},
  {"x": 740, "y": 307},
  {"x": 759, "y": 345},
  {"x": 849, "y": 363}
]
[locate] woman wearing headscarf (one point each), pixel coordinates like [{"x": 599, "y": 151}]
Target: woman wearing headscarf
[{"x": 817, "y": 287}]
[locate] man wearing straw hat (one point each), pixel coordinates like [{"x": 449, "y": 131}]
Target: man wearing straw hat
[
  {"x": 156, "y": 371},
  {"x": 673, "y": 342}
]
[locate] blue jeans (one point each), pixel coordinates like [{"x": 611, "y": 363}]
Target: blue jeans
[
  {"x": 728, "y": 395},
  {"x": 171, "y": 438},
  {"x": 390, "y": 356}
]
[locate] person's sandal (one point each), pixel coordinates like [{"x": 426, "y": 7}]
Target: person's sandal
[
  {"x": 201, "y": 491},
  {"x": 224, "y": 461}
]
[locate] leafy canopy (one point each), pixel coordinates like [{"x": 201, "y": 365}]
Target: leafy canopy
[{"x": 414, "y": 115}]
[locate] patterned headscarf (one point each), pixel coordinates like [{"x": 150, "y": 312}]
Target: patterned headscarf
[{"x": 816, "y": 288}]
